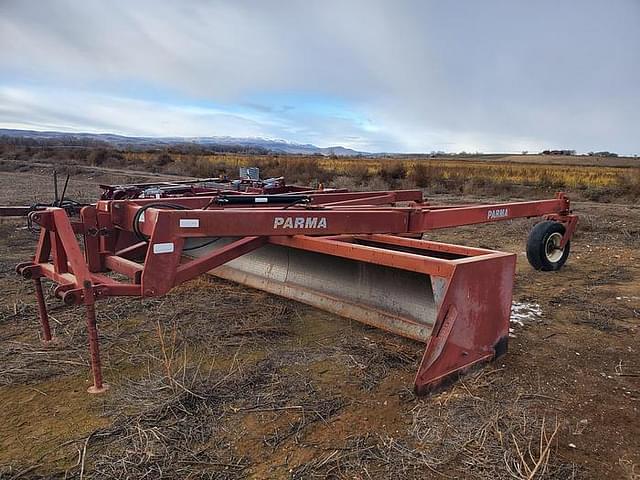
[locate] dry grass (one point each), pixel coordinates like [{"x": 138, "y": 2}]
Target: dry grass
[
  {"x": 182, "y": 419},
  {"x": 197, "y": 372},
  {"x": 469, "y": 432},
  {"x": 494, "y": 175},
  {"x": 466, "y": 176}
]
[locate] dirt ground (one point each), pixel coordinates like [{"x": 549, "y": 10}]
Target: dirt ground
[{"x": 219, "y": 381}]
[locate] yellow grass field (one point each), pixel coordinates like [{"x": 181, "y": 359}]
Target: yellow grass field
[{"x": 468, "y": 175}]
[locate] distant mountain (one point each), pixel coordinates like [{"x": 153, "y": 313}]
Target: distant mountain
[{"x": 121, "y": 141}]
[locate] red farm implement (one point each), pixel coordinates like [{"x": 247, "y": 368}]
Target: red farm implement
[{"x": 356, "y": 254}]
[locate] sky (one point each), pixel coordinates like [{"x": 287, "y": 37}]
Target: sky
[{"x": 377, "y": 76}]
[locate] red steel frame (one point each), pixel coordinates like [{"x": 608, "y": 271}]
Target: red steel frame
[{"x": 329, "y": 222}]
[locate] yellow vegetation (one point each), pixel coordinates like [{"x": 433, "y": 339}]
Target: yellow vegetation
[{"x": 442, "y": 174}]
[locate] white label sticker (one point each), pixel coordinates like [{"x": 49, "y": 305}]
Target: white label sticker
[
  {"x": 141, "y": 218},
  {"x": 189, "y": 223},
  {"x": 261, "y": 199},
  {"x": 163, "y": 248}
]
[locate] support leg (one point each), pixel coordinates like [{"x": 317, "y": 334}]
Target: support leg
[
  {"x": 42, "y": 311},
  {"x": 94, "y": 347}
]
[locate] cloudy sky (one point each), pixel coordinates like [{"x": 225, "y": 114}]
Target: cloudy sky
[{"x": 391, "y": 75}]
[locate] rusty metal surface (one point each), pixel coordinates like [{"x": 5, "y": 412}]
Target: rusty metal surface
[
  {"x": 42, "y": 311},
  {"x": 94, "y": 346},
  {"x": 473, "y": 320}
]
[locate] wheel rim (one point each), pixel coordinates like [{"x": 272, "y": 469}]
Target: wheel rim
[{"x": 552, "y": 249}]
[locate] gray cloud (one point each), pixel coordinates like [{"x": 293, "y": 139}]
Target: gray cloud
[{"x": 413, "y": 75}]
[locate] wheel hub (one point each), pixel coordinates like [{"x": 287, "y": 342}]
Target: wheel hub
[{"x": 553, "y": 251}]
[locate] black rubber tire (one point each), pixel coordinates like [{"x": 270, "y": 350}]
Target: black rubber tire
[{"x": 537, "y": 246}]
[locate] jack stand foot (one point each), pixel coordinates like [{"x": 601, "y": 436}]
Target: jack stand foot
[
  {"x": 95, "y": 390},
  {"x": 50, "y": 343}
]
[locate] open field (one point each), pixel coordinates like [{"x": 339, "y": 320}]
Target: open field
[
  {"x": 586, "y": 178},
  {"x": 572, "y": 160},
  {"x": 220, "y": 381}
]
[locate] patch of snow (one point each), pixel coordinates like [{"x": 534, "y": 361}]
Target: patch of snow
[
  {"x": 628, "y": 298},
  {"x": 524, "y": 312}
]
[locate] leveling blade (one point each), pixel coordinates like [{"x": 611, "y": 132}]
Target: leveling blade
[{"x": 455, "y": 299}]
